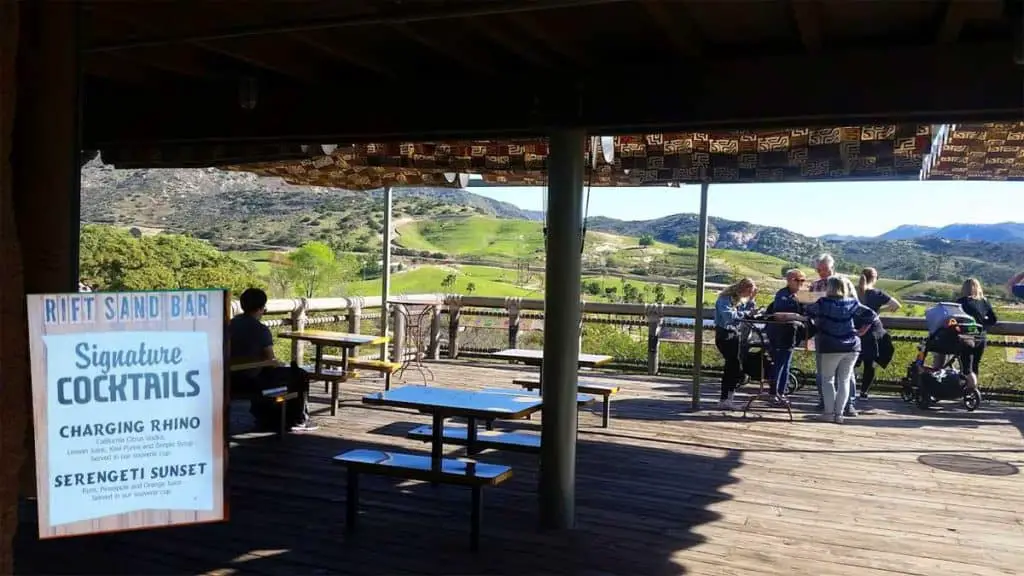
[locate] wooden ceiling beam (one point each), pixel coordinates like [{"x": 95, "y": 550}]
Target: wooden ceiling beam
[
  {"x": 807, "y": 14},
  {"x": 446, "y": 49},
  {"x": 511, "y": 44},
  {"x": 323, "y": 41},
  {"x": 113, "y": 68},
  {"x": 681, "y": 32},
  {"x": 179, "y": 60},
  {"x": 528, "y": 23},
  {"x": 941, "y": 87},
  {"x": 276, "y": 55}
]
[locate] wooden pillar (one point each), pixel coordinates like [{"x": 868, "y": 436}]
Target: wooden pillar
[
  {"x": 39, "y": 213},
  {"x": 13, "y": 350}
]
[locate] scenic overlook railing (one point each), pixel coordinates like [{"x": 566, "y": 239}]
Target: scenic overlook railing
[{"x": 652, "y": 338}]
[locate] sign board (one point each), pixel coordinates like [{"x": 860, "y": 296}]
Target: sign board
[{"x": 128, "y": 399}]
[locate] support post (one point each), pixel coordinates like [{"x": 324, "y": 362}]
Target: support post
[
  {"x": 514, "y": 319},
  {"x": 435, "y": 333},
  {"x": 454, "y": 318},
  {"x": 354, "y": 319},
  {"x": 299, "y": 323},
  {"x": 698, "y": 317},
  {"x": 561, "y": 329},
  {"x": 385, "y": 279},
  {"x": 399, "y": 327},
  {"x": 654, "y": 319}
]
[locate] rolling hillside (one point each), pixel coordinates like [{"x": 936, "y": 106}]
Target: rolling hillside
[{"x": 245, "y": 213}]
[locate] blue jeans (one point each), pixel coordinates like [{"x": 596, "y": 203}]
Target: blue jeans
[
  {"x": 782, "y": 359},
  {"x": 853, "y": 383}
]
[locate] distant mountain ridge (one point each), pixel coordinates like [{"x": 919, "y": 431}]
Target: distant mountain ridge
[{"x": 1001, "y": 232}]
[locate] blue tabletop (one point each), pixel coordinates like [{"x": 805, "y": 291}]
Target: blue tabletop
[{"x": 457, "y": 402}]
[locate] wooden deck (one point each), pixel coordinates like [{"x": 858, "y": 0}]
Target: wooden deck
[{"x": 660, "y": 492}]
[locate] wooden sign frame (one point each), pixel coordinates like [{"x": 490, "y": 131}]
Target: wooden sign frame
[{"x": 111, "y": 428}]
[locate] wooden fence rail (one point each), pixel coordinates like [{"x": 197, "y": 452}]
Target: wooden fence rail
[{"x": 302, "y": 312}]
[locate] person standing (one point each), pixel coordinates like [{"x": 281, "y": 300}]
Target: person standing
[
  {"x": 873, "y": 347},
  {"x": 785, "y": 336},
  {"x": 826, "y": 267},
  {"x": 839, "y": 320},
  {"x": 972, "y": 300},
  {"x": 734, "y": 303}
]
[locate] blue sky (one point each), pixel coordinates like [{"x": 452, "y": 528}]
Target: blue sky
[{"x": 858, "y": 208}]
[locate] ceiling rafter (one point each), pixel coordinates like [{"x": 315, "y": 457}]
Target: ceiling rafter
[
  {"x": 279, "y": 57},
  {"x": 529, "y": 24},
  {"x": 521, "y": 49},
  {"x": 443, "y": 47},
  {"x": 807, "y": 14},
  {"x": 326, "y": 44},
  {"x": 681, "y": 32}
]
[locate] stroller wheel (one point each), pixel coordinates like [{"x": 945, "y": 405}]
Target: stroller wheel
[
  {"x": 972, "y": 400},
  {"x": 792, "y": 383}
]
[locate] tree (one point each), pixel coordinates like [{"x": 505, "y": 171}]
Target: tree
[
  {"x": 686, "y": 241},
  {"x": 470, "y": 288},
  {"x": 659, "y": 294},
  {"x": 114, "y": 259},
  {"x": 646, "y": 240},
  {"x": 312, "y": 268},
  {"x": 449, "y": 282}
]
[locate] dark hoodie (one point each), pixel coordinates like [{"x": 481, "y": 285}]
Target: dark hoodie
[{"x": 837, "y": 322}]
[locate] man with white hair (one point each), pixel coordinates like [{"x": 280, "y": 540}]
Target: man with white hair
[
  {"x": 826, "y": 267},
  {"x": 825, "y": 264}
]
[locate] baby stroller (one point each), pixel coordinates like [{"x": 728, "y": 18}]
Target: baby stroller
[
  {"x": 755, "y": 354},
  {"x": 950, "y": 335}
]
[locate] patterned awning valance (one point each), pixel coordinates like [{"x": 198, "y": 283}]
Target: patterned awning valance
[
  {"x": 889, "y": 152},
  {"x": 991, "y": 151}
]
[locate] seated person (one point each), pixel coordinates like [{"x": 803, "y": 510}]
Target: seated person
[{"x": 251, "y": 340}]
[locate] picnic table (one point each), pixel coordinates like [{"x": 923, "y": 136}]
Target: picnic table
[
  {"x": 474, "y": 406},
  {"x": 321, "y": 338},
  {"x": 536, "y": 357},
  {"x": 444, "y": 403}
]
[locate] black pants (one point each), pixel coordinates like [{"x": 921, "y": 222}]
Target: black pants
[
  {"x": 869, "y": 374},
  {"x": 970, "y": 360},
  {"x": 728, "y": 344},
  {"x": 267, "y": 412}
]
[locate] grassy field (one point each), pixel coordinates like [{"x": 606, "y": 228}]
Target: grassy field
[{"x": 479, "y": 236}]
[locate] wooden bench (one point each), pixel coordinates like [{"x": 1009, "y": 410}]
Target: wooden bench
[
  {"x": 485, "y": 439},
  {"x": 330, "y": 377},
  {"x": 382, "y": 366},
  {"x": 421, "y": 467},
  {"x": 605, "y": 391}
]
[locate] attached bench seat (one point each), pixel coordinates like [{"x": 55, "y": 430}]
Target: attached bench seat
[
  {"x": 485, "y": 439},
  {"x": 279, "y": 395},
  {"x": 382, "y": 366},
  {"x": 476, "y": 475},
  {"x": 605, "y": 391},
  {"x": 330, "y": 377}
]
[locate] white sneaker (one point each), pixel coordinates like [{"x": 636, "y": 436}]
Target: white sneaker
[{"x": 727, "y": 404}]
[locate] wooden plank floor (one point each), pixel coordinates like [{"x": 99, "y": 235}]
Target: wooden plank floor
[{"x": 662, "y": 491}]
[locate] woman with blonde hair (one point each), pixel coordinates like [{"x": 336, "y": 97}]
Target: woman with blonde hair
[
  {"x": 972, "y": 300},
  {"x": 734, "y": 303},
  {"x": 839, "y": 320}
]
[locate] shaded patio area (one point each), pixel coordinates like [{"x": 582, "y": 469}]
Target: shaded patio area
[{"x": 660, "y": 492}]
